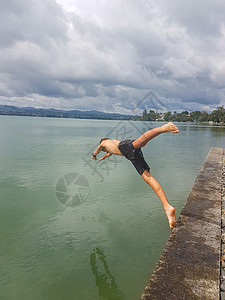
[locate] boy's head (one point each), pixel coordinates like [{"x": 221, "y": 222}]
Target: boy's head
[{"x": 103, "y": 139}]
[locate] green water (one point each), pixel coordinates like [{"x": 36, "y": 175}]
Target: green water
[{"x": 72, "y": 228}]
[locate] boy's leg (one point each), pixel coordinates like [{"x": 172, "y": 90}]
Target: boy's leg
[
  {"x": 148, "y": 135},
  {"x": 169, "y": 210}
]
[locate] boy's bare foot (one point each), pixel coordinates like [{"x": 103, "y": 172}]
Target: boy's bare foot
[
  {"x": 170, "y": 127},
  {"x": 170, "y": 212}
]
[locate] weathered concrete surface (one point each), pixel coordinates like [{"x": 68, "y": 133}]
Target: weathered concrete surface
[
  {"x": 189, "y": 267},
  {"x": 222, "y": 277}
]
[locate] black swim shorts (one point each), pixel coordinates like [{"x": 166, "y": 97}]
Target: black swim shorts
[{"x": 134, "y": 155}]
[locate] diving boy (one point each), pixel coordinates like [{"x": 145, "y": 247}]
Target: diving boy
[{"x": 131, "y": 149}]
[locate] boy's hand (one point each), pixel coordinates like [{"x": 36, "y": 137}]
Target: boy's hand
[
  {"x": 94, "y": 157},
  {"x": 101, "y": 158}
]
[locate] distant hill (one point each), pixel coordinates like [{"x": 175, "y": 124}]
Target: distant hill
[{"x": 55, "y": 113}]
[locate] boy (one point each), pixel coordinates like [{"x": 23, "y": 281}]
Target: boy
[{"x": 131, "y": 149}]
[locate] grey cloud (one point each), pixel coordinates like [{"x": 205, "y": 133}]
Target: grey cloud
[
  {"x": 35, "y": 21},
  {"x": 147, "y": 43},
  {"x": 58, "y": 58},
  {"x": 202, "y": 18}
]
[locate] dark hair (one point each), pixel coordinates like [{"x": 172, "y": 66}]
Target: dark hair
[{"x": 103, "y": 139}]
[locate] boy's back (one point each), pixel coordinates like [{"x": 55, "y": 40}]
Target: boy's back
[{"x": 111, "y": 146}]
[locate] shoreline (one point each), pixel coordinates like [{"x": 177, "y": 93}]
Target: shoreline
[{"x": 109, "y": 119}]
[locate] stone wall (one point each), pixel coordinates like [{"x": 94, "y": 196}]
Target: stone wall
[{"x": 189, "y": 267}]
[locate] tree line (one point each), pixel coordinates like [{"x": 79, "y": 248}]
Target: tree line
[{"x": 217, "y": 116}]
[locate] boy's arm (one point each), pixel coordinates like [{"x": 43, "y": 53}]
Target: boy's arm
[
  {"x": 98, "y": 150},
  {"x": 105, "y": 156}
]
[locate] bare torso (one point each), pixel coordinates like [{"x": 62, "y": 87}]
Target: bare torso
[{"x": 111, "y": 146}]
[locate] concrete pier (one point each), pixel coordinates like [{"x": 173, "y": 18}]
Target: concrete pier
[{"x": 189, "y": 267}]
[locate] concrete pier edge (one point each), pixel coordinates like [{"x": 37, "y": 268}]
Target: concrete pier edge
[
  {"x": 190, "y": 265},
  {"x": 222, "y": 269}
]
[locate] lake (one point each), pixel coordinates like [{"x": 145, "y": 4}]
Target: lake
[{"x": 73, "y": 228}]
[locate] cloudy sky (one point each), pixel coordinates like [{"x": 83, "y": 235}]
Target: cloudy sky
[{"x": 108, "y": 55}]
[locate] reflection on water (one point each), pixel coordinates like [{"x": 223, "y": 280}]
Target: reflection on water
[{"x": 104, "y": 280}]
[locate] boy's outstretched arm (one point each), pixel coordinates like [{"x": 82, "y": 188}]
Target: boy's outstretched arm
[
  {"x": 105, "y": 156},
  {"x": 97, "y": 151}
]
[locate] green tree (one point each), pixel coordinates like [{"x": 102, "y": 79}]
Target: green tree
[
  {"x": 152, "y": 115},
  {"x": 167, "y": 116},
  {"x": 195, "y": 116},
  {"x": 204, "y": 117},
  {"x": 218, "y": 115},
  {"x": 215, "y": 116},
  {"x": 185, "y": 112},
  {"x": 144, "y": 115},
  {"x": 221, "y": 110},
  {"x": 181, "y": 117}
]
